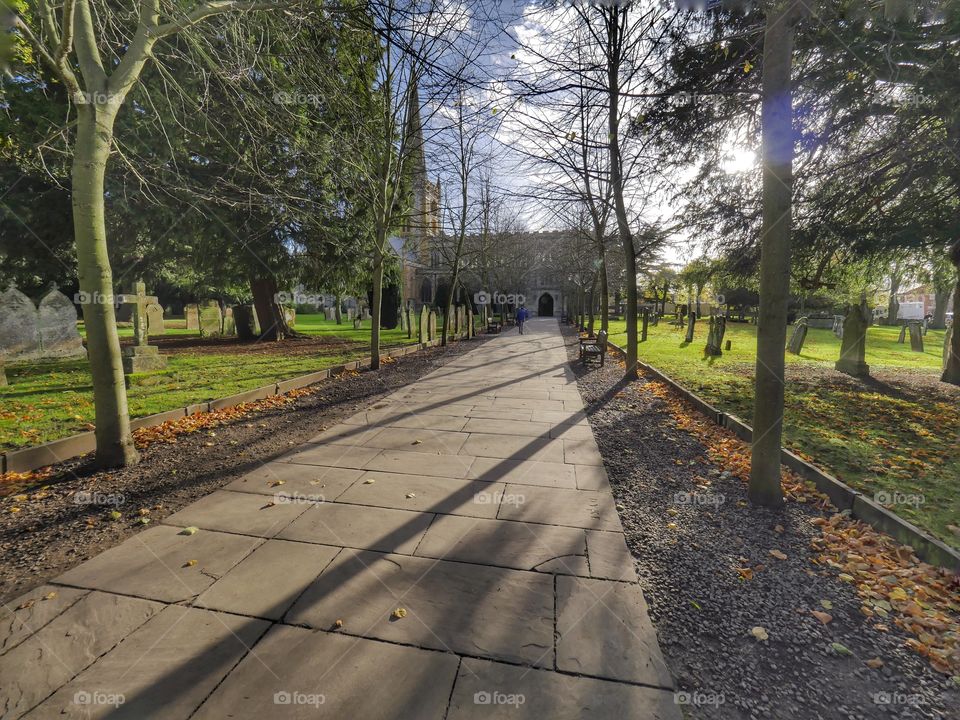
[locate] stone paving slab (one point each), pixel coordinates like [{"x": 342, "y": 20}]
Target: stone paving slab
[
  {"x": 164, "y": 669},
  {"x": 493, "y": 612},
  {"x": 473, "y": 498},
  {"x": 414, "y": 463},
  {"x": 342, "y": 456},
  {"x": 453, "y": 423},
  {"x": 610, "y": 559},
  {"x": 503, "y": 426},
  {"x": 302, "y": 674},
  {"x": 488, "y": 690},
  {"x": 29, "y": 613},
  {"x": 555, "y": 506},
  {"x": 238, "y": 512},
  {"x": 325, "y": 483},
  {"x": 69, "y": 643},
  {"x": 356, "y": 526},
  {"x": 514, "y": 448},
  {"x": 267, "y": 582},
  {"x": 604, "y": 631},
  {"x": 524, "y": 472},
  {"x": 524, "y": 546},
  {"x": 592, "y": 477},
  {"x": 434, "y": 442},
  {"x": 155, "y": 564}
]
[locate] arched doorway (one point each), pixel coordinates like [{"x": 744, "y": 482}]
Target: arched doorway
[{"x": 545, "y": 305}]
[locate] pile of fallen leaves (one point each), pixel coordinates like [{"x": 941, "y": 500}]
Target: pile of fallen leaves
[{"x": 894, "y": 585}]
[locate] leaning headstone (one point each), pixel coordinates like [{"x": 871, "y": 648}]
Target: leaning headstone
[
  {"x": 433, "y": 325},
  {"x": 229, "y": 323},
  {"x": 798, "y": 337},
  {"x": 155, "y": 319},
  {"x": 423, "y": 327},
  {"x": 718, "y": 327},
  {"x": 854, "y": 345},
  {"x": 838, "y": 325},
  {"x": 246, "y": 321},
  {"x": 19, "y": 326},
  {"x": 916, "y": 336},
  {"x": 192, "y": 314},
  {"x": 903, "y": 334},
  {"x": 691, "y": 323},
  {"x": 141, "y": 357},
  {"x": 211, "y": 319},
  {"x": 59, "y": 337}
]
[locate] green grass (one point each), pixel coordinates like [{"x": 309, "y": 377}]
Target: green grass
[
  {"x": 52, "y": 399},
  {"x": 899, "y": 437}
]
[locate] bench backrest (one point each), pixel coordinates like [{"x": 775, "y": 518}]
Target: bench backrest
[{"x": 602, "y": 339}]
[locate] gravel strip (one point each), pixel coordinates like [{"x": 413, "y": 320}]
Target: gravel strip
[
  {"x": 702, "y": 609},
  {"x": 50, "y": 535}
]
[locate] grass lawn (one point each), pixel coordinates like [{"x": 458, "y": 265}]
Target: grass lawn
[
  {"x": 896, "y": 434},
  {"x": 52, "y": 399}
]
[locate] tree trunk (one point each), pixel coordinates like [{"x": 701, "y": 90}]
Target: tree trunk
[
  {"x": 337, "y": 313},
  {"x": 273, "y": 323},
  {"x": 777, "y": 142},
  {"x": 604, "y": 296},
  {"x": 375, "y": 307},
  {"x": 613, "y": 51},
  {"x": 115, "y": 446},
  {"x": 893, "y": 304},
  {"x": 951, "y": 371},
  {"x": 941, "y": 298}
]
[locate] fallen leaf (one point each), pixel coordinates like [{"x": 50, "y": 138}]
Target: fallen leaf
[
  {"x": 114, "y": 515},
  {"x": 276, "y": 483},
  {"x": 778, "y": 555},
  {"x": 672, "y": 512},
  {"x": 50, "y": 595},
  {"x": 875, "y": 663},
  {"x": 760, "y": 633},
  {"x": 826, "y": 605},
  {"x": 369, "y": 481},
  {"x": 417, "y": 442},
  {"x": 745, "y": 573},
  {"x": 27, "y": 604},
  {"x": 188, "y": 531},
  {"x": 840, "y": 649},
  {"x": 898, "y": 593},
  {"x": 338, "y": 623},
  {"x": 399, "y": 613},
  {"x": 672, "y": 525},
  {"x": 823, "y": 617},
  {"x": 190, "y": 563}
]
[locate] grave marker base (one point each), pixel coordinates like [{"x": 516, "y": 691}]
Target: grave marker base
[{"x": 142, "y": 358}]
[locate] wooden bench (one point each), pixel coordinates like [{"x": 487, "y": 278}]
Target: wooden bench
[
  {"x": 593, "y": 348},
  {"x": 494, "y": 326}
]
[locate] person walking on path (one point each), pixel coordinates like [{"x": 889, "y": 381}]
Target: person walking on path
[{"x": 522, "y": 315}]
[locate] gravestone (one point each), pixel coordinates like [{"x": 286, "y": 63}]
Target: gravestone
[
  {"x": 246, "y": 321},
  {"x": 141, "y": 357},
  {"x": 433, "y": 325},
  {"x": 19, "y": 326},
  {"x": 461, "y": 321},
  {"x": 229, "y": 323},
  {"x": 838, "y": 325},
  {"x": 365, "y": 314},
  {"x": 290, "y": 315},
  {"x": 471, "y": 330},
  {"x": 192, "y": 314},
  {"x": 655, "y": 320},
  {"x": 423, "y": 327},
  {"x": 211, "y": 319},
  {"x": 59, "y": 337},
  {"x": 718, "y": 327},
  {"x": 854, "y": 345},
  {"x": 691, "y": 323},
  {"x": 903, "y": 334},
  {"x": 350, "y": 313},
  {"x": 330, "y": 313},
  {"x": 646, "y": 324},
  {"x": 798, "y": 337},
  {"x": 916, "y": 337},
  {"x": 408, "y": 314},
  {"x": 155, "y": 319}
]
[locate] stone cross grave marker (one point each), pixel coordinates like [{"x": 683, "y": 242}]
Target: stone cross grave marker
[
  {"x": 19, "y": 326},
  {"x": 59, "y": 336},
  {"x": 798, "y": 337},
  {"x": 141, "y": 357},
  {"x": 916, "y": 336}
]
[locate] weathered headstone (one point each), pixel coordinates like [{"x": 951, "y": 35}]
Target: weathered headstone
[
  {"x": 141, "y": 357},
  {"x": 290, "y": 315},
  {"x": 916, "y": 336},
  {"x": 433, "y": 325},
  {"x": 718, "y": 327},
  {"x": 423, "y": 327},
  {"x": 19, "y": 326},
  {"x": 646, "y": 324},
  {"x": 854, "y": 345},
  {"x": 903, "y": 334},
  {"x": 192, "y": 314},
  {"x": 59, "y": 337},
  {"x": 330, "y": 313},
  {"x": 691, "y": 323},
  {"x": 155, "y": 319},
  {"x": 838, "y": 325},
  {"x": 471, "y": 330},
  {"x": 229, "y": 323},
  {"x": 211, "y": 319},
  {"x": 798, "y": 337},
  {"x": 246, "y": 321},
  {"x": 365, "y": 314},
  {"x": 351, "y": 313}
]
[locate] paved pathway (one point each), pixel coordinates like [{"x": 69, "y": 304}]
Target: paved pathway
[{"x": 473, "y": 505}]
